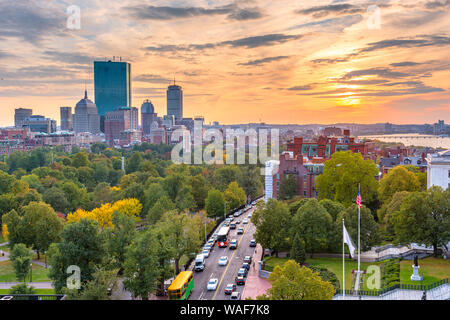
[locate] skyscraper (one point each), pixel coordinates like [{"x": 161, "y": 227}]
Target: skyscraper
[
  {"x": 112, "y": 82},
  {"x": 20, "y": 115},
  {"x": 123, "y": 119},
  {"x": 148, "y": 115},
  {"x": 66, "y": 118},
  {"x": 175, "y": 101},
  {"x": 86, "y": 116}
]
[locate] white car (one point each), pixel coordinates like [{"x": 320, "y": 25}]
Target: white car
[
  {"x": 245, "y": 221},
  {"x": 223, "y": 261},
  {"x": 212, "y": 284},
  {"x": 205, "y": 253}
]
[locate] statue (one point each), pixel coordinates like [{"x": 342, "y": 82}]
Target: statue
[
  {"x": 416, "y": 262},
  {"x": 415, "y": 276}
]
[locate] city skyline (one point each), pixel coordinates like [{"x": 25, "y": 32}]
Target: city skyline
[{"x": 269, "y": 61}]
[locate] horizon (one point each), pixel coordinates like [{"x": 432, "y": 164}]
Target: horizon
[{"x": 329, "y": 62}]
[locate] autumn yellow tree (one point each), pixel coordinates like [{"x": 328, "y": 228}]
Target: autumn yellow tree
[{"x": 5, "y": 232}]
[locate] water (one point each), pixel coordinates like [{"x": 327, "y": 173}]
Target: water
[{"x": 413, "y": 139}]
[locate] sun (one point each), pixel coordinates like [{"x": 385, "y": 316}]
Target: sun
[{"x": 349, "y": 101}]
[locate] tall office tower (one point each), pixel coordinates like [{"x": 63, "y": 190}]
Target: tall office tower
[
  {"x": 148, "y": 115},
  {"x": 66, "y": 118},
  {"x": 86, "y": 117},
  {"x": 124, "y": 119},
  {"x": 112, "y": 82},
  {"x": 20, "y": 115},
  {"x": 175, "y": 101}
]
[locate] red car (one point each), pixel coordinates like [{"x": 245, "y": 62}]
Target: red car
[
  {"x": 230, "y": 288},
  {"x": 240, "y": 281}
]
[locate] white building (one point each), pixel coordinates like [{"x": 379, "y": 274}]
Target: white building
[
  {"x": 271, "y": 169},
  {"x": 438, "y": 169}
]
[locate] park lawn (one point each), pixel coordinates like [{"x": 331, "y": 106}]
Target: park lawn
[
  {"x": 7, "y": 273},
  {"x": 433, "y": 270},
  {"x": 1, "y": 238},
  {"x": 332, "y": 264},
  {"x": 4, "y": 248},
  {"x": 38, "y": 291}
]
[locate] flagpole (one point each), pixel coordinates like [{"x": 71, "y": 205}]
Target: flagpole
[
  {"x": 359, "y": 227},
  {"x": 343, "y": 259}
]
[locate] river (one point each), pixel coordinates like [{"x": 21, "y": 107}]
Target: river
[{"x": 413, "y": 139}]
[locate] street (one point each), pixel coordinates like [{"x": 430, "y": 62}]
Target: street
[{"x": 225, "y": 274}]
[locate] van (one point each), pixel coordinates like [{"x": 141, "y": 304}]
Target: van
[{"x": 199, "y": 263}]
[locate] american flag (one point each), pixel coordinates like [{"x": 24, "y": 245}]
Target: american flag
[{"x": 358, "y": 199}]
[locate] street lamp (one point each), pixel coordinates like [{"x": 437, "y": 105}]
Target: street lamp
[{"x": 31, "y": 272}]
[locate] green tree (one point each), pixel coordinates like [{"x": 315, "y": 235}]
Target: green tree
[
  {"x": 21, "y": 258},
  {"x": 332, "y": 207},
  {"x": 133, "y": 163},
  {"x": 6, "y": 182},
  {"x": 397, "y": 179},
  {"x": 141, "y": 264},
  {"x": 199, "y": 190},
  {"x": 225, "y": 175},
  {"x": 272, "y": 225},
  {"x": 298, "y": 252},
  {"x": 81, "y": 159},
  {"x": 424, "y": 217},
  {"x": 215, "y": 203},
  {"x": 288, "y": 187},
  {"x": 313, "y": 224},
  {"x": 164, "y": 204},
  {"x": 81, "y": 245},
  {"x": 293, "y": 282},
  {"x": 250, "y": 181},
  {"x": 152, "y": 194},
  {"x": 341, "y": 175},
  {"x": 22, "y": 288},
  {"x": 57, "y": 199},
  {"x": 234, "y": 196}
]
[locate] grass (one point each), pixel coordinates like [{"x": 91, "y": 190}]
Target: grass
[
  {"x": 38, "y": 291},
  {"x": 433, "y": 270},
  {"x": 4, "y": 248},
  {"x": 332, "y": 264},
  {"x": 7, "y": 273}
]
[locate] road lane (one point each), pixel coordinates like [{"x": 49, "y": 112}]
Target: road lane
[{"x": 225, "y": 274}]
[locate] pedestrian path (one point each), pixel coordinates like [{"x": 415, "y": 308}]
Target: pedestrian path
[
  {"x": 255, "y": 285},
  {"x": 36, "y": 285}
]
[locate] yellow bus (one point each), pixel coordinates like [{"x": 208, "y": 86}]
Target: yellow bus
[{"x": 182, "y": 286}]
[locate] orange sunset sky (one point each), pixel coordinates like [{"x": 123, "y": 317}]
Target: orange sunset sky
[{"x": 276, "y": 61}]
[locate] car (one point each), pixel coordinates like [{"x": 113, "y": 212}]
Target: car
[
  {"x": 245, "y": 221},
  {"x": 212, "y": 284},
  {"x": 207, "y": 247},
  {"x": 211, "y": 242},
  {"x": 199, "y": 263},
  {"x": 205, "y": 253},
  {"x": 223, "y": 261},
  {"x": 236, "y": 214},
  {"x": 240, "y": 281},
  {"x": 242, "y": 272},
  {"x": 248, "y": 259},
  {"x": 240, "y": 230},
  {"x": 233, "y": 244},
  {"x": 252, "y": 243},
  {"x": 230, "y": 288},
  {"x": 233, "y": 225},
  {"x": 235, "y": 296},
  {"x": 237, "y": 221},
  {"x": 215, "y": 237},
  {"x": 231, "y": 217},
  {"x": 245, "y": 266}
]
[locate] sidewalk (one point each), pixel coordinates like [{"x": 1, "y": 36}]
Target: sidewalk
[
  {"x": 36, "y": 285},
  {"x": 255, "y": 285}
]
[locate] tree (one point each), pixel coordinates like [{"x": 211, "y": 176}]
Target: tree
[
  {"x": 234, "y": 196},
  {"x": 250, "y": 181},
  {"x": 225, "y": 175},
  {"x": 133, "y": 163},
  {"x": 12, "y": 221},
  {"x": 164, "y": 204},
  {"x": 6, "y": 182},
  {"x": 293, "y": 282},
  {"x": 81, "y": 159},
  {"x": 397, "y": 179},
  {"x": 119, "y": 237},
  {"x": 332, "y": 207},
  {"x": 199, "y": 190},
  {"x": 81, "y": 246},
  {"x": 313, "y": 224},
  {"x": 424, "y": 217},
  {"x": 152, "y": 194},
  {"x": 272, "y": 225},
  {"x": 215, "y": 203},
  {"x": 140, "y": 267},
  {"x": 57, "y": 199},
  {"x": 22, "y": 288},
  {"x": 288, "y": 187},
  {"x": 21, "y": 258},
  {"x": 387, "y": 211},
  {"x": 341, "y": 175},
  {"x": 181, "y": 234},
  {"x": 369, "y": 234},
  {"x": 76, "y": 196},
  {"x": 298, "y": 252}
]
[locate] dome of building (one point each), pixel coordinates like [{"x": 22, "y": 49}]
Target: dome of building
[
  {"x": 147, "y": 107},
  {"x": 87, "y": 104}
]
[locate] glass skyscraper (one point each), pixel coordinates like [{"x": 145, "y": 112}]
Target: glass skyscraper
[
  {"x": 112, "y": 84},
  {"x": 175, "y": 101}
]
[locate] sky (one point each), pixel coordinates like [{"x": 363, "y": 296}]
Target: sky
[{"x": 238, "y": 61}]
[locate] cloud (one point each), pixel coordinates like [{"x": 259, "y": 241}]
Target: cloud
[
  {"x": 422, "y": 41},
  {"x": 301, "y": 88},
  {"x": 405, "y": 64},
  {"x": 69, "y": 57},
  {"x": 437, "y": 4},
  {"x": 26, "y": 20},
  {"x": 338, "y": 24},
  {"x": 380, "y": 72},
  {"x": 248, "y": 42},
  {"x": 151, "y": 78},
  {"x": 323, "y": 11},
  {"x": 171, "y": 13},
  {"x": 259, "y": 62}
]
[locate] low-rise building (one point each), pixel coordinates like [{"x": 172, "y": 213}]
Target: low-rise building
[{"x": 438, "y": 169}]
